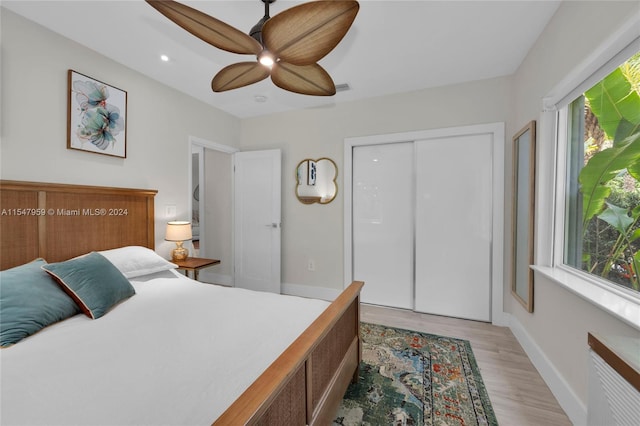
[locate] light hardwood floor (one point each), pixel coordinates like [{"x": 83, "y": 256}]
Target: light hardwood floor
[{"x": 518, "y": 394}]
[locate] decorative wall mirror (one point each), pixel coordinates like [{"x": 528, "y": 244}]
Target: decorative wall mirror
[
  {"x": 316, "y": 181},
  {"x": 524, "y": 162}
]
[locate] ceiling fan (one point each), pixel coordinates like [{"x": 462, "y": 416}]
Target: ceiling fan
[{"x": 287, "y": 46}]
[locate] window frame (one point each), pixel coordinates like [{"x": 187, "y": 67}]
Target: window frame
[
  {"x": 560, "y": 215},
  {"x": 551, "y": 179}
]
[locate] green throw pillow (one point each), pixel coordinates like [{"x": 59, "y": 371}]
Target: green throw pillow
[
  {"x": 30, "y": 300},
  {"x": 93, "y": 282}
]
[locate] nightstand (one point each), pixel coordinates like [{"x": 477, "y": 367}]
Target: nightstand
[{"x": 194, "y": 264}]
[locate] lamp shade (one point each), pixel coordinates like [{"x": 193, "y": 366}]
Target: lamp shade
[{"x": 178, "y": 231}]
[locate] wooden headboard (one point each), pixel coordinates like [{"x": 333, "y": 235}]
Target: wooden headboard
[{"x": 60, "y": 221}]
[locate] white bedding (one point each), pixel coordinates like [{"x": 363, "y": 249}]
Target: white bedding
[{"x": 179, "y": 352}]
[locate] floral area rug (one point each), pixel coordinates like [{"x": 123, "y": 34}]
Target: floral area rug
[{"x": 412, "y": 378}]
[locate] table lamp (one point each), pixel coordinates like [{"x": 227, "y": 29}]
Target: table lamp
[{"x": 178, "y": 231}]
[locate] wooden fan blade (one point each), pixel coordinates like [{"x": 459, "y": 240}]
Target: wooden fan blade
[
  {"x": 238, "y": 75},
  {"x": 213, "y": 31},
  {"x": 304, "y": 79},
  {"x": 304, "y": 34}
]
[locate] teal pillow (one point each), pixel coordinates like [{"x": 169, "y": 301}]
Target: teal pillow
[
  {"x": 30, "y": 300},
  {"x": 93, "y": 282}
]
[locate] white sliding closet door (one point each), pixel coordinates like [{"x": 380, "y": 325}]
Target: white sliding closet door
[
  {"x": 454, "y": 206},
  {"x": 383, "y": 194}
]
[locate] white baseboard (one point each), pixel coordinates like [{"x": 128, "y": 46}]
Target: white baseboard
[
  {"x": 323, "y": 293},
  {"x": 570, "y": 403},
  {"x": 501, "y": 320}
]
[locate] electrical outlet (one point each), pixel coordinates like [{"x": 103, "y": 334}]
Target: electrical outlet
[
  {"x": 311, "y": 265},
  {"x": 170, "y": 211}
]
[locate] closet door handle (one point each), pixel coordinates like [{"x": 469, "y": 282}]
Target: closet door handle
[{"x": 272, "y": 225}]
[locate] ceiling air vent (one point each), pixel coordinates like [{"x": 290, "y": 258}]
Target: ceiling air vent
[{"x": 342, "y": 87}]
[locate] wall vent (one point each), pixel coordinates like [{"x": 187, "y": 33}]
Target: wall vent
[
  {"x": 342, "y": 87},
  {"x": 612, "y": 400}
]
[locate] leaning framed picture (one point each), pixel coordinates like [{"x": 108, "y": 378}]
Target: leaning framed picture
[
  {"x": 97, "y": 116},
  {"x": 524, "y": 165}
]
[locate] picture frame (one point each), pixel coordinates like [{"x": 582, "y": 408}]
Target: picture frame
[
  {"x": 97, "y": 116},
  {"x": 524, "y": 165},
  {"x": 312, "y": 170}
]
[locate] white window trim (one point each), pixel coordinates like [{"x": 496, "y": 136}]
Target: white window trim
[
  {"x": 550, "y": 183},
  {"x": 621, "y": 303}
]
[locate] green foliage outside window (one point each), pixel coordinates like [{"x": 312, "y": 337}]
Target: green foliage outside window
[{"x": 609, "y": 180}]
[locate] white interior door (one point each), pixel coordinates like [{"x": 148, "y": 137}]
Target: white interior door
[
  {"x": 454, "y": 226},
  {"x": 383, "y": 223},
  {"x": 257, "y": 206}
]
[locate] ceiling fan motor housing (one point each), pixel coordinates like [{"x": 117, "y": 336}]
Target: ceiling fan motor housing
[{"x": 256, "y": 31}]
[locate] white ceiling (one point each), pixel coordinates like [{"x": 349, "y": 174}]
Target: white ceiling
[{"x": 393, "y": 46}]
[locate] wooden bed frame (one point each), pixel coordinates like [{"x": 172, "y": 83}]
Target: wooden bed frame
[{"x": 59, "y": 221}]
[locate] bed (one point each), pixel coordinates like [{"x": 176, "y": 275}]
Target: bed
[{"x": 175, "y": 352}]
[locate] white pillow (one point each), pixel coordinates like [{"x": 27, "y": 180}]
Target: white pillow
[{"x": 136, "y": 261}]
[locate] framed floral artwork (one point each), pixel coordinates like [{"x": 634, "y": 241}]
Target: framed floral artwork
[{"x": 97, "y": 117}]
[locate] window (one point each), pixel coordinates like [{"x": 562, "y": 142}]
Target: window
[{"x": 602, "y": 187}]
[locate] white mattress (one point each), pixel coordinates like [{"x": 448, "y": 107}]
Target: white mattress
[{"x": 177, "y": 353}]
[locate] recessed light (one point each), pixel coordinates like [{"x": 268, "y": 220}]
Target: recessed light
[
  {"x": 164, "y": 58},
  {"x": 260, "y": 98}
]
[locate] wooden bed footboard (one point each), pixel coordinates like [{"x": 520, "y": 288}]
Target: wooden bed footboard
[{"x": 305, "y": 385}]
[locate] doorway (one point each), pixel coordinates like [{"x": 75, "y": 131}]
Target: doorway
[
  {"x": 211, "y": 204},
  {"x": 197, "y": 176},
  {"x": 237, "y": 210}
]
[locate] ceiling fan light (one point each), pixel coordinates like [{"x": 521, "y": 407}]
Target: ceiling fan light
[{"x": 266, "y": 59}]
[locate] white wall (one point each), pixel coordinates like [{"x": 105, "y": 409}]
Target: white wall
[
  {"x": 34, "y": 121},
  {"x": 558, "y": 327},
  {"x": 316, "y": 231},
  {"x": 557, "y": 330}
]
